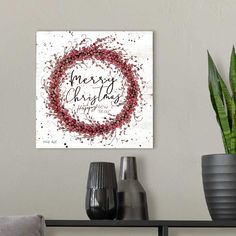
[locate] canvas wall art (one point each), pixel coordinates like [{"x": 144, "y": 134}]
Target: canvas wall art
[{"x": 94, "y": 89}]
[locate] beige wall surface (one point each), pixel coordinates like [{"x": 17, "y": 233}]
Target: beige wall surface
[{"x": 52, "y": 182}]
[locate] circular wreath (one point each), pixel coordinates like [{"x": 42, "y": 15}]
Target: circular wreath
[{"x": 56, "y": 78}]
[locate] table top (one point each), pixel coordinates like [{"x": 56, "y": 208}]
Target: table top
[{"x": 141, "y": 223}]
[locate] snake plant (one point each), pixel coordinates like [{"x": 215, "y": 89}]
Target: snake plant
[{"x": 224, "y": 101}]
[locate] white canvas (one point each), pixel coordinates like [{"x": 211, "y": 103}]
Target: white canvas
[{"x": 94, "y": 89}]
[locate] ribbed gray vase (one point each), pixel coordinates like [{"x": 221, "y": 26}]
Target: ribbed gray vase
[
  {"x": 131, "y": 196},
  {"x": 219, "y": 182}
]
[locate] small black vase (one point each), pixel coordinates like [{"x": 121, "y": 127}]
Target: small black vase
[
  {"x": 101, "y": 200},
  {"x": 132, "y": 200}
]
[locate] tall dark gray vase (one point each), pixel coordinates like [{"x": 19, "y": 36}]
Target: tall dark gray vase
[
  {"x": 131, "y": 196},
  {"x": 101, "y": 197},
  {"x": 219, "y": 182}
]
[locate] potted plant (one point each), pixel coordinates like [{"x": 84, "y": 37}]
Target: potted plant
[{"x": 219, "y": 170}]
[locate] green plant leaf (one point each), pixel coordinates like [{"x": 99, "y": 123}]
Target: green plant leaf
[
  {"x": 224, "y": 102},
  {"x": 223, "y": 137},
  {"x": 232, "y": 73},
  {"x": 233, "y": 137},
  {"x": 213, "y": 79},
  {"x": 217, "y": 88},
  {"x": 228, "y": 100},
  {"x": 223, "y": 122}
]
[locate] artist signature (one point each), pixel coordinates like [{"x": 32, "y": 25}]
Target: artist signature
[{"x": 50, "y": 141}]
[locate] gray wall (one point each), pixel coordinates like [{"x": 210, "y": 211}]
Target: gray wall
[{"x": 52, "y": 182}]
